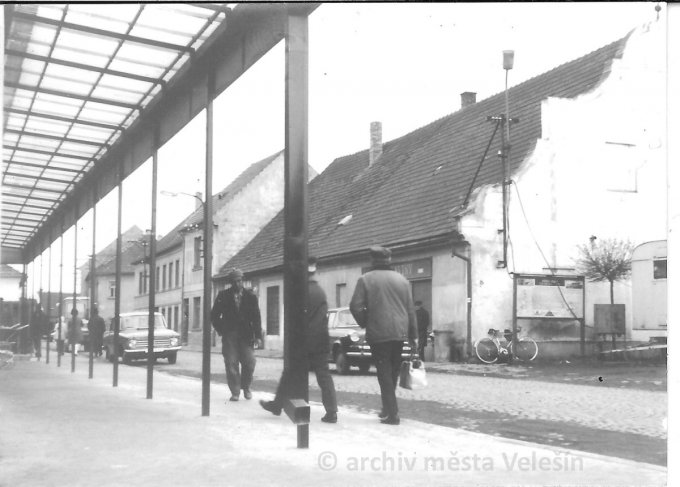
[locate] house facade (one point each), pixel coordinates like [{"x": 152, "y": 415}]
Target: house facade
[
  {"x": 239, "y": 212},
  {"x": 105, "y": 275},
  {"x": 586, "y": 159}
]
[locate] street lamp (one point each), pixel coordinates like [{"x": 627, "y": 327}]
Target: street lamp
[{"x": 207, "y": 291}]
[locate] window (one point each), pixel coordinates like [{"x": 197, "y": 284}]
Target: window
[
  {"x": 158, "y": 277},
  {"x": 197, "y": 252},
  {"x": 141, "y": 283},
  {"x": 623, "y": 167},
  {"x": 112, "y": 289},
  {"x": 177, "y": 281},
  {"x": 165, "y": 277},
  {"x": 273, "y": 310},
  {"x": 660, "y": 268},
  {"x": 170, "y": 275},
  {"x": 176, "y": 322}
]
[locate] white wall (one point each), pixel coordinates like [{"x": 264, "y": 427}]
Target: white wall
[{"x": 598, "y": 170}]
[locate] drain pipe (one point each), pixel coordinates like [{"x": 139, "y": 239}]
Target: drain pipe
[{"x": 468, "y": 260}]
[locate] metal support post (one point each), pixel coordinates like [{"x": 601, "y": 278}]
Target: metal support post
[
  {"x": 152, "y": 270},
  {"x": 207, "y": 249},
  {"x": 116, "y": 319},
  {"x": 93, "y": 278},
  {"x": 49, "y": 306},
  {"x": 60, "y": 341},
  {"x": 75, "y": 333},
  {"x": 295, "y": 212},
  {"x": 514, "y": 317}
]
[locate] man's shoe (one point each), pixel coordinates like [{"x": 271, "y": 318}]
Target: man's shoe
[
  {"x": 247, "y": 394},
  {"x": 233, "y": 398},
  {"x": 382, "y": 415},
  {"x": 271, "y": 407},
  {"x": 330, "y": 418},
  {"x": 390, "y": 420}
]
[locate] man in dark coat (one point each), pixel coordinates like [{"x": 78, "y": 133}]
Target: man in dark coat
[
  {"x": 423, "y": 318},
  {"x": 37, "y": 327},
  {"x": 236, "y": 318},
  {"x": 96, "y": 326},
  {"x": 382, "y": 303},
  {"x": 75, "y": 332},
  {"x": 317, "y": 346}
]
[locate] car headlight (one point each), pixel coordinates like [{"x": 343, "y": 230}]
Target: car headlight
[
  {"x": 174, "y": 341},
  {"x": 132, "y": 343},
  {"x": 354, "y": 337}
]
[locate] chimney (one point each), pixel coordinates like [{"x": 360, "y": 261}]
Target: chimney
[
  {"x": 199, "y": 200},
  {"x": 376, "y": 148},
  {"x": 468, "y": 98}
]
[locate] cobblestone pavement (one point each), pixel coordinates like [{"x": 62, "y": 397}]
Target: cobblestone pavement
[{"x": 625, "y": 410}]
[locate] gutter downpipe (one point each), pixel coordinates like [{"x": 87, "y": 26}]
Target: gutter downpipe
[{"x": 468, "y": 261}]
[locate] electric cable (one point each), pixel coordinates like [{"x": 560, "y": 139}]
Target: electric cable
[{"x": 521, "y": 205}]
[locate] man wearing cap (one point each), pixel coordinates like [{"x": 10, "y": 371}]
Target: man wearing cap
[
  {"x": 236, "y": 318},
  {"x": 317, "y": 345},
  {"x": 382, "y": 303}
]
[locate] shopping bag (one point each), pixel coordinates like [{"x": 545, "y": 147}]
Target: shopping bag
[
  {"x": 404, "y": 374},
  {"x": 412, "y": 374},
  {"x": 418, "y": 375}
]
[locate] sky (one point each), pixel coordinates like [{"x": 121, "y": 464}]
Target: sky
[{"x": 404, "y": 65}]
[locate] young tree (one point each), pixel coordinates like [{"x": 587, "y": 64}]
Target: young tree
[{"x": 608, "y": 260}]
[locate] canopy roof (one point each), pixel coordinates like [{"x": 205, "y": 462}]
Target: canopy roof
[{"x": 91, "y": 89}]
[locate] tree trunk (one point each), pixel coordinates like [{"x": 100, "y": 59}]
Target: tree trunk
[{"x": 611, "y": 291}]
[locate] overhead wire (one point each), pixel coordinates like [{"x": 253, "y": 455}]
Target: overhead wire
[{"x": 548, "y": 266}]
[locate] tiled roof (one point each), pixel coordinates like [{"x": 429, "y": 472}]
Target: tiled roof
[
  {"x": 174, "y": 238},
  {"x": 106, "y": 258},
  {"x": 409, "y": 193}
]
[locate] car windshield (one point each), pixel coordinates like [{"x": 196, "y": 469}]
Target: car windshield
[
  {"x": 141, "y": 322},
  {"x": 346, "y": 320}
]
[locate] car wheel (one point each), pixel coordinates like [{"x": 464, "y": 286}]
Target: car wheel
[
  {"x": 341, "y": 363},
  {"x": 172, "y": 358},
  {"x": 126, "y": 359},
  {"x": 364, "y": 368}
]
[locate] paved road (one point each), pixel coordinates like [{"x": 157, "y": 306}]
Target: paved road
[{"x": 624, "y": 422}]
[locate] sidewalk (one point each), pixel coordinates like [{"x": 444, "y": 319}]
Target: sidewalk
[{"x": 61, "y": 428}]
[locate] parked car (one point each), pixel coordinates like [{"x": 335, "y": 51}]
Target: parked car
[
  {"x": 348, "y": 342},
  {"x": 133, "y": 338}
]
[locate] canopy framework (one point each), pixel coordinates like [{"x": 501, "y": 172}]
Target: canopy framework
[{"x": 86, "y": 86}]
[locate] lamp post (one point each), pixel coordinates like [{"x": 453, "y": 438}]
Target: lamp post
[{"x": 207, "y": 292}]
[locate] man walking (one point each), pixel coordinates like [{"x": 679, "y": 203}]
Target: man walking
[
  {"x": 96, "y": 327},
  {"x": 423, "y": 318},
  {"x": 317, "y": 345},
  {"x": 37, "y": 327},
  {"x": 236, "y": 318},
  {"x": 382, "y": 303}
]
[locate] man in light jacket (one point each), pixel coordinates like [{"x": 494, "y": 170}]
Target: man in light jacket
[{"x": 382, "y": 303}]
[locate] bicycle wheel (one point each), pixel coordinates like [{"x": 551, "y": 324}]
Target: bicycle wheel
[
  {"x": 486, "y": 350},
  {"x": 526, "y": 349}
]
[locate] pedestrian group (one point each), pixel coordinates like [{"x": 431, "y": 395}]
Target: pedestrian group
[{"x": 382, "y": 304}]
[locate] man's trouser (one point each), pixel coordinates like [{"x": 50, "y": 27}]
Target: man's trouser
[
  {"x": 387, "y": 358},
  {"x": 237, "y": 351}
]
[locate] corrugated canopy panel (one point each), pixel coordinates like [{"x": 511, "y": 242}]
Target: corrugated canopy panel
[{"x": 76, "y": 77}]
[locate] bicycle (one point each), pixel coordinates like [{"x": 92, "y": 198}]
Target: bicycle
[{"x": 490, "y": 349}]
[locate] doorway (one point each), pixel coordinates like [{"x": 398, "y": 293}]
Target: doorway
[{"x": 422, "y": 291}]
